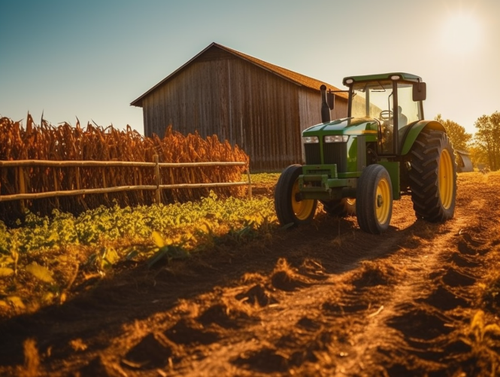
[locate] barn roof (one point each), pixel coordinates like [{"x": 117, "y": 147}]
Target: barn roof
[{"x": 294, "y": 77}]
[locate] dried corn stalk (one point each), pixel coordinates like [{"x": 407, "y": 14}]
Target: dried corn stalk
[{"x": 65, "y": 142}]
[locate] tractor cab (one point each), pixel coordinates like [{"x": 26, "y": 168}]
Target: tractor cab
[{"x": 393, "y": 100}]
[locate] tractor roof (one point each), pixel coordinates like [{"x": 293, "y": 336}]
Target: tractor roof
[{"x": 382, "y": 76}]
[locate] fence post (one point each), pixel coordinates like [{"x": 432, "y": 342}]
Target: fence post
[
  {"x": 56, "y": 186},
  {"x": 249, "y": 184},
  {"x": 22, "y": 186},
  {"x": 158, "y": 179}
]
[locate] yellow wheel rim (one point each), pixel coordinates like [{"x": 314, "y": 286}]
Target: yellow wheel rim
[
  {"x": 383, "y": 201},
  {"x": 302, "y": 209},
  {"x": 445, "y": 179}
]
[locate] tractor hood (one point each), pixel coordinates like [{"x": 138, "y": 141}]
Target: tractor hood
[{"x": 345, "y": 126}]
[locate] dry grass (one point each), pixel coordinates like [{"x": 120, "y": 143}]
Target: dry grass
[{"x": 65, "y": 142}]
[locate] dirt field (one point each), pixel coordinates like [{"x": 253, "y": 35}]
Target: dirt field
[{"x": 322, "y": 300}]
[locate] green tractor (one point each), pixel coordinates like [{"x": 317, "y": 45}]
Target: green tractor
[{"x": 383, "y": 149}]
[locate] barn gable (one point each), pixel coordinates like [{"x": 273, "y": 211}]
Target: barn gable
[{"x": 257, "y": 105}]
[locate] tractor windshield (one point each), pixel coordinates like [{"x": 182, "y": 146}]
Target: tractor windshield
[
  {"x": 374, "y": 99},
  {"x": 371, "y": 99}
]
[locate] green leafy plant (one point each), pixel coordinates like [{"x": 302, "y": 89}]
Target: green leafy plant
[
  {"x": 41, "y": 259},
  {"x": 484, "y": 339}
]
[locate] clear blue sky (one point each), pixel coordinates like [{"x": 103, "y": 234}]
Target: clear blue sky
[{"x": 90, "y": 59}]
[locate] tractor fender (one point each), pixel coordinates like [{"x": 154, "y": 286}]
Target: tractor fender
[{"x": 414, "y": 130}]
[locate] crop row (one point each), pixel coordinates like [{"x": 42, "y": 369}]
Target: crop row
[{"x": 42, "y": 260}]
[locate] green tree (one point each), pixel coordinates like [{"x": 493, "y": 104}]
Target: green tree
[
  {"x": 487, "y": 138},
  {"x": 458, "y": 137},
  {"x": 478, "y": 156}
]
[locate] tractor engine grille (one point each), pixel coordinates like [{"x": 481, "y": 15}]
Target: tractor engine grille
[
  {"x": 335, "y": 153},
  {"x": 313, "y": 154}
]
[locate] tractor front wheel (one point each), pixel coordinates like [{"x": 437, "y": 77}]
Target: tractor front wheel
[
  {"x": 289, "y": 207},
  {"x": 374, "y": 199},
  {"x": 433, "y": 176}
]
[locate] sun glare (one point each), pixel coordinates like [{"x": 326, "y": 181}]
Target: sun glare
[{"x": 461, "y": 34}]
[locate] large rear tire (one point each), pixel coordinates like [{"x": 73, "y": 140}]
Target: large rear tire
[
  {"x": 433, "y": 176},
  {"x": 374, "y": 199},
  {"x": 288, "y": 208}
]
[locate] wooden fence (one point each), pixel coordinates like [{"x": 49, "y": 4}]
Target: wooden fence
[
  {"x": 18, "y": 194},
  {"x": 24, "y": 193}
]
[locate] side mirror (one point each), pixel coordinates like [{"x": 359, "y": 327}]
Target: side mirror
[
  {"x": 330, "y": 98},
  {"x": 419, "y": 91}
]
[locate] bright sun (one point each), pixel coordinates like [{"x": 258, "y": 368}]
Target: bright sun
[{"x": 461, "y": 34}]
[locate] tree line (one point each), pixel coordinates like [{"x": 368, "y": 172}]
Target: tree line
[{"x": 484, "y": 146}]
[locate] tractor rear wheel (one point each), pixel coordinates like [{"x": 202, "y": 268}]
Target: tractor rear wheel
[
  {"x": 289, "y": 208},
  {"x": 433, "y": 176},
  {"x": 340, "y": 208},
  {"x": 374, "y": 199}
]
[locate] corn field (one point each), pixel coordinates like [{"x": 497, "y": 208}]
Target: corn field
[{"x": 65, "y": 143}]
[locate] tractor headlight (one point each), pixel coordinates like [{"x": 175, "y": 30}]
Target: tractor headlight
[
  {"x": 336, "y": 138},
  {"x": 311, "y": 140}
]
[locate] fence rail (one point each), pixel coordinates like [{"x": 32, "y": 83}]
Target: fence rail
[
  {"x": 23, "y": 195},
  {"x": 89, "y": 163}
]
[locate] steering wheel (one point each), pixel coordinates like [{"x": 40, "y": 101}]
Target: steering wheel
[{"x": 386, "y": 115}]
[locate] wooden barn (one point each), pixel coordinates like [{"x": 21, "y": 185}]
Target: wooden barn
[{"x": 259, "y": 106}]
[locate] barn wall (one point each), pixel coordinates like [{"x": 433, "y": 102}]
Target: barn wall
[
  {"x": 219, "y": 93},
  {"x": 235, "y": 100}
]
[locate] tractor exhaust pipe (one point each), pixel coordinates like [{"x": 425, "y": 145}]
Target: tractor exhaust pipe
[{"x": 325, "y": 109}]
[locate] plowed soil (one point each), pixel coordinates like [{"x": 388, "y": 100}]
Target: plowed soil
[{"x": 321, "y": 300}]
